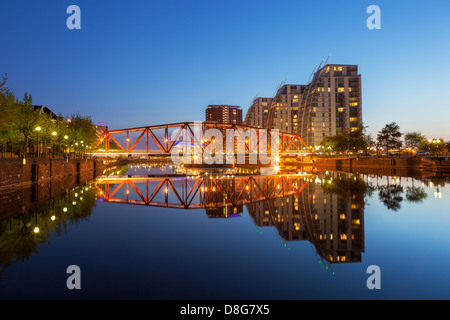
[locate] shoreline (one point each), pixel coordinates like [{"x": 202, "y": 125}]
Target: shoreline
[{"x": 19, "y": 173}]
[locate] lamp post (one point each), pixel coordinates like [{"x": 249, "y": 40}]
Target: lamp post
[
  {"x": 53, "y": 143},
  {"x": 65, "y": 145},
  {"x": 37, "y": 130}
]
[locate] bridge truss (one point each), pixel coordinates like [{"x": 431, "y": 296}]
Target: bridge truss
[{"x": 162, "y": 139}]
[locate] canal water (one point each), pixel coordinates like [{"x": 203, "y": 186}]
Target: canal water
[{"x": 143, "y": 232}]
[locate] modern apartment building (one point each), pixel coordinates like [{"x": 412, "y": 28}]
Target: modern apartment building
[
  {"x": 258, "y": 112},
  {"x": 284, "y": 110},
  {"x": 330, "y": 103},
  {"x": 225, "y": 114}
]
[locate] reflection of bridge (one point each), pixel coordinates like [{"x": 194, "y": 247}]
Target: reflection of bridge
[
  {"x": 296, "y": 205},
  {"x": 198, "y": 192},
  {"x": 162, "y": 139}
]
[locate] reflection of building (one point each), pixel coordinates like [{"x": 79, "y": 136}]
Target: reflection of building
[
  {"x": 282, "y": 213},
  {"x": 333, "y": 223},
  {"x": 258, "y": 112},
  {"x": 224, "y": 114},
  {"x": 224, "y": 212}
]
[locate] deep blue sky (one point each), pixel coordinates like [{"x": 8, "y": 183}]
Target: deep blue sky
[{"x": 137, "y": 62}]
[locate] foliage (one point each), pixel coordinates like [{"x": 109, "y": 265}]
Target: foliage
[
  {"x": 348, "y": 141},
  {"x": 389, "y": 136},
  {"x": 414, "y": 139},
  {"x": 20, "y": 121}
]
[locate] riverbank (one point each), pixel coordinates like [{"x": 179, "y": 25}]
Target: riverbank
[
  {"x": 386, "y": 166},
  {"x": 17, "y": 173}
]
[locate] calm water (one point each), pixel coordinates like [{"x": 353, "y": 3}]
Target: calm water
[{"x": 219, "y": 236}]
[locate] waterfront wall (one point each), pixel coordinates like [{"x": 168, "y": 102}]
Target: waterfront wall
[
  {"x": 15, "y": 173},
  {"x": 385, "y": 166}
]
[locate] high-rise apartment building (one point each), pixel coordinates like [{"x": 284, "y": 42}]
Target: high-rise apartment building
[
  {"x": 258, "y": 112},
  {"x": 224, "y": 114},
  {"x": 331, "y": 103},
  {"x": 284, "y": 110}
]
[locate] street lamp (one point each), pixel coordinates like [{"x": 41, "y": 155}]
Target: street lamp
[
  {"x": 38, "y": 129},
  {"x": 53, "y": 143},
  {"x": 65, "y": 146}
]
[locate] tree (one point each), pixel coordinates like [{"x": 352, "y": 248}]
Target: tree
[
  {"x": 82, "y": 132},
  {"x": 348, "y": 141},
  {"x": 25, "y": 119},
  {"x": 414, "y": 139},
  {"x": 7, "y": 133},
  {"x": 389, "y": 136},
  {"x": 436, "y": 146}
]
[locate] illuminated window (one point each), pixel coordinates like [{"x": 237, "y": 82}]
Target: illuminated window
[{"x": 341, "y": 89}]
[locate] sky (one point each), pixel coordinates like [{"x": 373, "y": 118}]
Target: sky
[{"x": 138, "y": 63}]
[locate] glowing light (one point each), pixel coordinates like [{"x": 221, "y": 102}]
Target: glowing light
[
  {"x": 36, "y": 230},
  {"x": 53, "y": 218}
]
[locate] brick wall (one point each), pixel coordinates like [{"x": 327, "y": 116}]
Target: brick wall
[{"x": 14, "y": 173}]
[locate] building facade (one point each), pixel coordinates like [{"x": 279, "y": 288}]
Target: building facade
[
  {"x": 284, "y": 110},
  {"x": 330, "y": 103},
  {"x": 258, "y": 112},
  {"x": 224, "y": 114}
]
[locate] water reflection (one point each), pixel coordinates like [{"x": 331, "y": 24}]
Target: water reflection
[
  {"x": 22, "y": 234},
  {"x": 326, "y": 209}
]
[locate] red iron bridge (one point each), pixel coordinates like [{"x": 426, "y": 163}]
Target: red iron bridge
[{"x": 166, "y": 139}]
